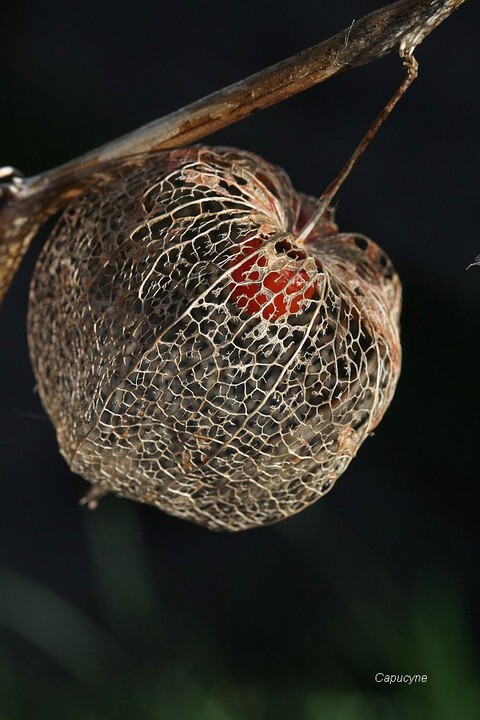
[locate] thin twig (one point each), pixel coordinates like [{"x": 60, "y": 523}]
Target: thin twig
[
  {"x": 329, "y": 193},
  {"x": 25, "y": 203}
]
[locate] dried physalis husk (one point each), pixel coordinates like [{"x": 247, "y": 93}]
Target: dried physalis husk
[{"x": 193, "y": 355}]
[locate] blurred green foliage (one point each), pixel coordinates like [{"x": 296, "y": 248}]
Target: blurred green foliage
[{"x": 130, "y": 658}]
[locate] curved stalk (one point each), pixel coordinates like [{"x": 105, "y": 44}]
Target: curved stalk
[{"x": 25, "y": 203}]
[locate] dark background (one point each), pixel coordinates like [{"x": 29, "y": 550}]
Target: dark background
[{"x": 128, "y": 612}]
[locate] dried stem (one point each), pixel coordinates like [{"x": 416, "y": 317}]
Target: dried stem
[
  {"x": 329, "y": 193},
  {"x": 25, "y": 203}
]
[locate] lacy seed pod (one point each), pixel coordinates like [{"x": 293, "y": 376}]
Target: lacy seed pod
[{"x": 193, "y": 355}]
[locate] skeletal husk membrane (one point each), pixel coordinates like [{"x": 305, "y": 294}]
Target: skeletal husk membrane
[{"x": 192, "y": 356}]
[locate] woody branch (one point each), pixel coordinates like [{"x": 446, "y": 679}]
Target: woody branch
[{"x": 25, "y": 203}]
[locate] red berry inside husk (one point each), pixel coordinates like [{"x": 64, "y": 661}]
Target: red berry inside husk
[{"x": 273, "y": 294}]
